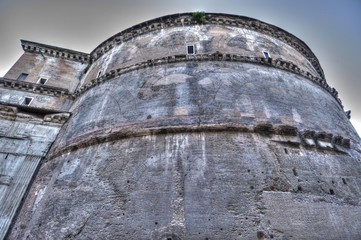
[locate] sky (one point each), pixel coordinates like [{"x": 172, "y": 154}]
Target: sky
[{"x": 331, "y": 28}]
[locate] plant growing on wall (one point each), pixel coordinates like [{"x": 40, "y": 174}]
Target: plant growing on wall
[
  {"x": 199, "y": 17},
  {"x": 87, "y": 68}
]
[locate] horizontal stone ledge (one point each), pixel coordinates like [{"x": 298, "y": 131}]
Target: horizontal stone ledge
[
  {"x": 284, "y": 134},
  {"x": 36, "y": 88}
]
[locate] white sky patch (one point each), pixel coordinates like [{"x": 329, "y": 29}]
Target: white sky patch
[{"x": 357, "y": 125}]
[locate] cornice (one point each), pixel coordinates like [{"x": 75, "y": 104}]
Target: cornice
[
  {"x": 21, "y": 113},
  {"x": 185, "y": 19},
  {"x": 280, "y": 134},
  {"x": 52, "y": 51},
  {"x": 35, "y": 88}
]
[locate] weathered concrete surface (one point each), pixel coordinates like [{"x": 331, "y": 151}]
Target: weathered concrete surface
[
  {"x": 194, "y": 186},
  {"x": 198, "y": 149},
  {"x": 313, "y": 216}
]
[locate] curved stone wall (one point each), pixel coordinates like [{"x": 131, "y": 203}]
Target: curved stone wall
[
  {"x": 223, "y": 144},
  {"x": 215, "y": 185}
]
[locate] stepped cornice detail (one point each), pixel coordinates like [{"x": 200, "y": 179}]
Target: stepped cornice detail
[{"x": 53, "y": 51}]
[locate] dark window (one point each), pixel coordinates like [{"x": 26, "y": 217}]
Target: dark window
[
  {"x": 266, "y": 54},
  {"x": 42, "y": 81},
  {"x": 99, "y": 73},
  {"x": 190, "y": 49},
  {"x": 22, "y": 77},
  {"x": 27, "y": 101}
]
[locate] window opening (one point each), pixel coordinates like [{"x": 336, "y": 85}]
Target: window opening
[
  {"x": 42, "y": 81},
  {"x": 190, "y": 49},
  {"x": 22, "y": 77},
  {"x": 27, "y": 101},
  {"x": 266, "y": 54},
  {"x": 99, "y": 73}
]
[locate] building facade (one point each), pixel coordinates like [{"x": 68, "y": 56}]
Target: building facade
[{"x": 188, "y": 126}]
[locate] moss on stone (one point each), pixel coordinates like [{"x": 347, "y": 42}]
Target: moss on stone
[{"x": 199, "y": 17}]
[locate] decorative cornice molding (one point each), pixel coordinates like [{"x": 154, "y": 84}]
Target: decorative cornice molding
[
  {"x": 276, "y": 63},
  {"x": 36, "y": 88},
  {"x": 53, "y": 51},
  {"x": 185, "y": 19},
  {"x": 57, "y": 117}
]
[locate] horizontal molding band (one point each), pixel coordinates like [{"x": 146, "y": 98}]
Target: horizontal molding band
[
  {"x": 35, "y": 88},
  {"x": 53, "y": 51},
  {"x": 283, "y": 134}
]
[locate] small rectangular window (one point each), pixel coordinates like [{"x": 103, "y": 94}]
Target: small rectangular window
[
  {"x": 22, "y": 77},
  {"x": 190, "y": 49},
  {"x": 27, "y": 101},
  {"x": 99, "y": 73},
  {"x": 42, "y": 81},
  {"x": 266, "y": 54}
]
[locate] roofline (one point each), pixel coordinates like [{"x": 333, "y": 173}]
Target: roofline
[
  {"x": 44, "y": 49},
  {"x": 184, "y": 19}
]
